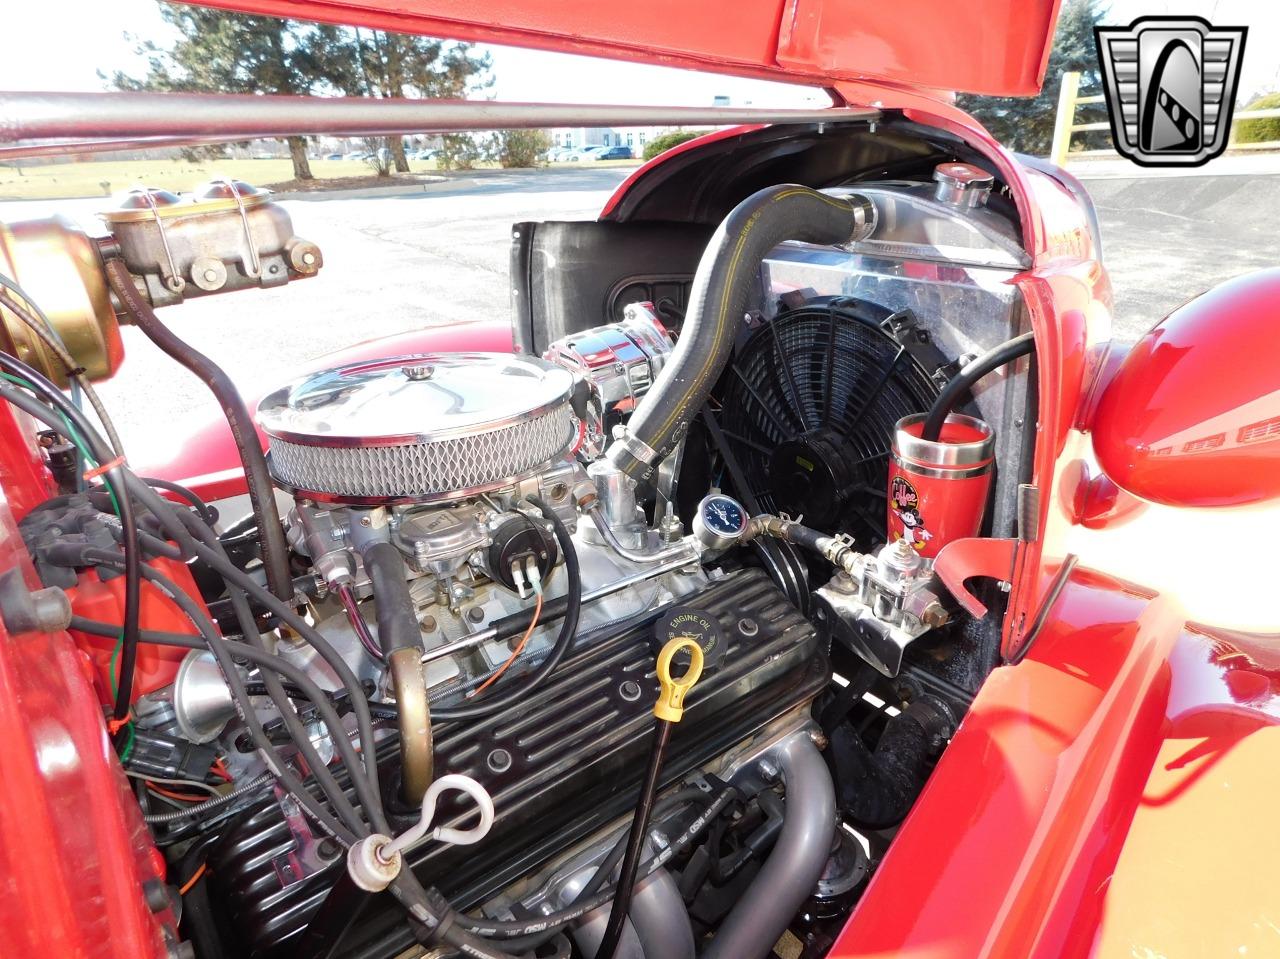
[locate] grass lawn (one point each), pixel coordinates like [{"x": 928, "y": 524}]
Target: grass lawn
[{"x": 102, "y": 178}]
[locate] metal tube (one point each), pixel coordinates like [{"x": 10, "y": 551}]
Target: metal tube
[
  {"x": 660, "y": 919},
  {"x": 596, "y": 512},
  {"x": 791, "y": 872},
  {"x": 236, "y": 116},
  {"x": 600, "y": 592}
]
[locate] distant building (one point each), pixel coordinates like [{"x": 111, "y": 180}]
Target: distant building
[{"x": 577, "y": 137}]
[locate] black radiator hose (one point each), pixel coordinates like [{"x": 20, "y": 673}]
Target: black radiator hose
[
  {"x": 876, "y": 788},
  {"x": 961, "y": 383},
  {"x": 721, "y": 290},
  {"x": 262, "y": 495}
]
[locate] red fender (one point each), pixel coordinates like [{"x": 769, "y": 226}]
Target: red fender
[{"x": 1106, "y": 796}]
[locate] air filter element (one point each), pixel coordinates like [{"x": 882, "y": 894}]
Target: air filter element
[{"x": 418, "y": 429}]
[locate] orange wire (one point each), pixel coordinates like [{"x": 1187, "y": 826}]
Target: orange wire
[
  {"x": 195, "y": 878},
  {"x": 184, "y": 797},
  {"x": 220, "y": 768},
  {"x": 515, "y": 653}
]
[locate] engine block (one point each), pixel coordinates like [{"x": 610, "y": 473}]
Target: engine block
[{"x": 560, "y": 765}]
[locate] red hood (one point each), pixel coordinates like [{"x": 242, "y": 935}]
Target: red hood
[{"x": 983, "y": 46}]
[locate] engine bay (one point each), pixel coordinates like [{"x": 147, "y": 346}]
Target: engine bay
[{"x": 403, "y": 696}]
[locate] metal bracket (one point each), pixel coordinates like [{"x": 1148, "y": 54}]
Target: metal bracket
[
  {"x": 256, "y": 263},
  {"x": 963, "y": 559}
]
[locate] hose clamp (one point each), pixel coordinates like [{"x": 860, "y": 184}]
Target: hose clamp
[
  {"x": 638, "y": 448},
  {"x": 865, "y": 217}
]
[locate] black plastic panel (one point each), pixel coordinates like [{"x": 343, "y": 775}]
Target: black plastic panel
[
  {"x": 568, "y": 277},
  {"x": 576, "y": 751}
]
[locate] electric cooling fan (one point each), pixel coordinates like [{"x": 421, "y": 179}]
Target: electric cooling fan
[{"x": 809, "y": 404}]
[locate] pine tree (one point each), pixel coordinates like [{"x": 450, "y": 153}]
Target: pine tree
[
  {"x": 225, "y": 52},
  {"x": 1026, "y": 124},
  {"x": 405, "y": 65}
]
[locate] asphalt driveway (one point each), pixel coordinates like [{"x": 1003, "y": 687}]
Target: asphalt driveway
[{"x": 440, "y": 256}]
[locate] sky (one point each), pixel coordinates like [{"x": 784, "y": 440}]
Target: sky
[{"x": 89, "y": 35}]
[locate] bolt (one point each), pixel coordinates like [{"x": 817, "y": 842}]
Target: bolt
[
  {"x": 156, "y": 895},
  {"x": 328, "y": 848},
  {"x": 418, "y": 372},
  {"x": 429, "y": 624},
  {"x": 210, "y": 276},
  {"x": 769, "y": 770},
  {"x": 365, "y": 521},
  {"x": 934, "y": 615},
  {"x": 747, "y": 626},
  {"x": 308, "y": 258},
  {"x": 475, "y": 614}
]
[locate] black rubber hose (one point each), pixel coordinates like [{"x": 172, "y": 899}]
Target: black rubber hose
[
  {"x": 397, "y": 624},
  {"x": 805, "y": 536},
  {"x": 962, "y": 382},
  {"x": 876, "y": 788},
  {"x": 721, "y": 290},
  {"x": 635, "y": 843},
  {"x": 275, "y": 552},
  {"x": 568, "y": 632}
]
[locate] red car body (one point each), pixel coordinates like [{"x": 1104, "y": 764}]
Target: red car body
[{"x": 1108, "y": 795}]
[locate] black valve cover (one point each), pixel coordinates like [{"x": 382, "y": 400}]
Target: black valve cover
[{"x": 563, "y": 763}]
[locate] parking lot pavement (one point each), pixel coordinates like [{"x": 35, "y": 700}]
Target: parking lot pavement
[
  {"x": 1168, "y": 238},
  {"x": 440, "y": 256}
]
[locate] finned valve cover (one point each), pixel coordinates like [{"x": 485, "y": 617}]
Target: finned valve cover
[{"x": 418, "y": 429}]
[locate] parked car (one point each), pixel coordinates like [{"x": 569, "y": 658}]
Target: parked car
[
  {"x": 559, "y": 154},
  {"x": 358, "y": 155},
  {"x": 825, "y": 404},
  {"x": 615, "y": 153},
  {"x": 584, "y": 153},
  {"x": 333, "y": 156}
]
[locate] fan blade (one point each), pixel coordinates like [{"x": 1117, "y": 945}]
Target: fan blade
[{"x": 785, "y": 362}]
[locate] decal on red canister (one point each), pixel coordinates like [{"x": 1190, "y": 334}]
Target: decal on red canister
[{"x": 904, "y": 501}]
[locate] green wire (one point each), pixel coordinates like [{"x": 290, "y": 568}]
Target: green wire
[{"x": 115, "y": 504}]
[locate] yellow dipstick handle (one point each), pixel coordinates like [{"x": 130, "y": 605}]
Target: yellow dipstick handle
[{"x": 670, "y": 705}]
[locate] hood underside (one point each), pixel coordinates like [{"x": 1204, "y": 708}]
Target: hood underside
[{"x": 983, "y": 46}]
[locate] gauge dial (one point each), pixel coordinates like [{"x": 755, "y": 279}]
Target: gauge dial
[{"x": 720, "y": 521}]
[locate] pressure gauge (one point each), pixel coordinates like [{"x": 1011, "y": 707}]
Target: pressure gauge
[{"x": 719, "y": 522}]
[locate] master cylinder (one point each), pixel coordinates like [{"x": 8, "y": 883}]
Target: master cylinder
[{"x": 225, "y": 235}]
